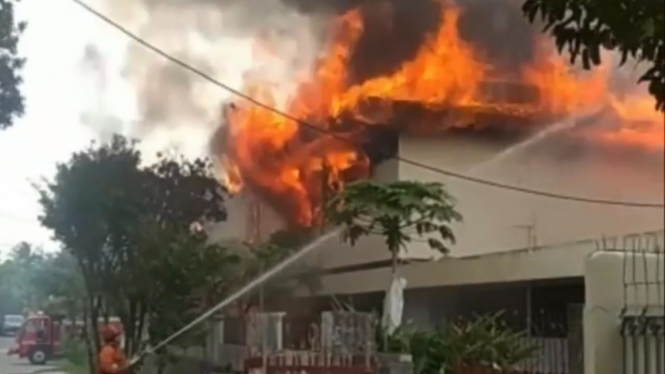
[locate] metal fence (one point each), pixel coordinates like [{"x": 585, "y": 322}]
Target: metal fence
[
  {"x": 551, "y": 336},
  {"x": 556, "y": 337},
  {"x": 643, "y": 338},
  {"x": 642, "y": 318}
]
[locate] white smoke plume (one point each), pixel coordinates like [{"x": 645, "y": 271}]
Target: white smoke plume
[{"x": 177, "y": 108}]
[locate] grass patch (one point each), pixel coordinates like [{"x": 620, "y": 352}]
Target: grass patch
[
  {"x": 71, "y": 368},
  {"x": 76, "y": 358}
]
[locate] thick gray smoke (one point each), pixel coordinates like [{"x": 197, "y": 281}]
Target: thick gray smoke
[
  {"x": 99, "y": 117},
  {"x": 216, "y": 37},
  {"x": 219, "y": 37}
]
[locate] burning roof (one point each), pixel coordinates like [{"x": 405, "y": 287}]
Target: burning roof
[{"x": 448, "y": 84}]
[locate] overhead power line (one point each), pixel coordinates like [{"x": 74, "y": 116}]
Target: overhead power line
[{"x": 421, "y": 165}]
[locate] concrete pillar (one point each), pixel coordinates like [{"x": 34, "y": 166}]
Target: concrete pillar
[{"x": 617, "y": 283}]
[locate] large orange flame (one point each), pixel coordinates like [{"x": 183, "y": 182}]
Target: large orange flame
[
  {"x": 294, "y": 169},
  {"x": 445, "y": 70},
  {"x": 264, "y": 150},
  {"x": 561, "y": 91}
]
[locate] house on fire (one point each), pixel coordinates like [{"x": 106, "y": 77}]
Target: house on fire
[{"x": 515, "y": 251}]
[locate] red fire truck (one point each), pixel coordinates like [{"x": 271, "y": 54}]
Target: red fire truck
[{"x": 42, "y": 337}]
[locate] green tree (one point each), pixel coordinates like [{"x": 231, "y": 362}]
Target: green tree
[
  {"x": 33, "y": 280},
  {"x": 133, "y": 233},
  {"x": 257, "y": 258},
  {"x": 400, "y": 212},
  {"x": 636, "y": 29},
  {"x": 61, "y": 282},
  {"x": 12, "y": 302},
  {"x": 164, "y": 247},
  {"x": 11, "y": 99},
  {"x": 195, "y": 275},
  {"x": 90, "y": 197},
  {"x": 21, "y": 272}
]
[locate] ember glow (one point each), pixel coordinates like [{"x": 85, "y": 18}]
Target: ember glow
[{"x": 293, "y": 168}]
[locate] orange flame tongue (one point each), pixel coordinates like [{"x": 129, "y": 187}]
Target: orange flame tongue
[
  {"x": 561, "y": 91},
  {"x": 445, "y": 71},
  {"x": 641, "y": 124},
  {"x": 317, "y": 95},
  {"x": 264, "y": 149},
  {"x": 564, "y": 93},
  {"x": 292, "y": 169}
]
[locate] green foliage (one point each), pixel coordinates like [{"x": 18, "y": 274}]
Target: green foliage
[
  {"x": 75, "y": 353},
  {"x": 636, "y": 29},
  {"x": 137, "y": 235},
  {"x": 31, "y": 279},
  {"x": 194, "y": 276},
  {"x": 398, "y": 211},
  {"x": 484, "y": 341},
  {"x": 92, "y": 206},
  {"x": 488, "y": 342},
  {"x": 12, "y": 303},
  {"x": 262, "y": 256},
  {"x": 20, "y": 279},
  {"x": 11, "y": 64},
  {"x": 428, "y": 348},
  {"x": 133, "y": 231},
  {"x": 257, "y": 258},
  {"x": 70, "y": 368}
]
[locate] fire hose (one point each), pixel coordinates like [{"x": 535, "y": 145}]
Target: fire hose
[{"x": 235, "y": 296}]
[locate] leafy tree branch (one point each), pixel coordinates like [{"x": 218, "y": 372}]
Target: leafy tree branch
[
  {"x": 635, "y": 29},
  {"x": 399, "y": 212}
]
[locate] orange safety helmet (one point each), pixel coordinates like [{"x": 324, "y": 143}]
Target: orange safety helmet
[{"x": 110, "y": 333}]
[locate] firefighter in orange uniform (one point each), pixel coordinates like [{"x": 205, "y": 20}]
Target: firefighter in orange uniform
[{"x": 111, "y": 358}]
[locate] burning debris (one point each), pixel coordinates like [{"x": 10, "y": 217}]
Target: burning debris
[{"x": 447, "y": 85}]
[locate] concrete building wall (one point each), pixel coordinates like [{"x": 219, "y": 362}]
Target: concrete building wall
[
  {"x": 565, "y": 260},
  {"x": 547, "y": 262},
  {"x": 237, "y": 226},
  {"x": 607, "y": 275},
  {"x": 333, "y": 253},
  {"x": 497, "y": 220}
]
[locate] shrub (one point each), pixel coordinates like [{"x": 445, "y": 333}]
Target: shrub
[
  {"x": 486, "y": 341},
  {"x": 483, "y": 341}
]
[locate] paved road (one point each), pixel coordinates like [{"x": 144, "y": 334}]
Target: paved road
[{"x": 12, "y": 365}]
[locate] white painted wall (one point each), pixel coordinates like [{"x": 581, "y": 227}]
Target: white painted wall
[
  {"x": 235, "y": 228},
  {"x": 556, "y": 261},
  {"x": 492, "y": 215},
  {"x": 494, "y": 219},
  {"x": 605, "y": 300},
  {"x": 333, "y": 253}
]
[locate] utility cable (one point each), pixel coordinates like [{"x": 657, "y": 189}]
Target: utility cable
[{"x": 300, "y": 122}]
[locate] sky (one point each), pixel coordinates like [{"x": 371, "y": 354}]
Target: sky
[
  {"x": 57, "y": 93},
  {"x": 69, "y": 104}
]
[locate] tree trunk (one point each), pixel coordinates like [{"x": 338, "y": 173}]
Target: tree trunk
[
  {"x": 142, "y": 320},
  {"x": 133, "y": 324},
  {"x": 128, "y": 324},
  {"x": 92, "y": 333},
  {"x": 162, "y": 361},
  {"x": 88, "y": 343}
]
